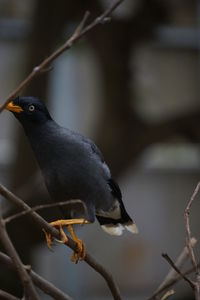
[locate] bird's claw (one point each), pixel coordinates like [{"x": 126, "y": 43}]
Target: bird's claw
[
  {"x": 48, "y": 238},
  {"x": 80, "y": 253}
]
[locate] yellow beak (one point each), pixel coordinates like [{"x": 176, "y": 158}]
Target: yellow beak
[{"x": 12, "y": 107}]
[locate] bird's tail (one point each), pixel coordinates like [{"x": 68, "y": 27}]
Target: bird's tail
[{"x": 116, "y": 226}]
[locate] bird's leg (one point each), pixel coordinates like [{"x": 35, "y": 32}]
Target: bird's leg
[
  {"x": 68, "y": 222},
  {"x": 48, "y": 238},
  {"x": 80, "y": 254}
]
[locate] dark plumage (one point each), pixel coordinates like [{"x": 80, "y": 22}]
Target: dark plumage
[{"x": 72, "y": 166}]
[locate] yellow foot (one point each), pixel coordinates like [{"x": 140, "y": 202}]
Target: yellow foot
[
  {"x": 80, "y": 253},
  {"x": 48, "y": 238},
  {"x": 77, "y": 255},
  {"x": 69, "y": 222}
]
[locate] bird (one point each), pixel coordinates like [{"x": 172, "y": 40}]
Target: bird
[{"x": 73, "y": 167}]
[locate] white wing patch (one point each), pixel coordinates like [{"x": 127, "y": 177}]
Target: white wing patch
[{"x": 113, "y": 213}]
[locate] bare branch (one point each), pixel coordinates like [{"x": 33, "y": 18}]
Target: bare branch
[
  {"x": 6, "y": 296},
  {"x": 43, "y": 284},
  {"x": 78, "y": 33},
  {"x": 29, "y": 288},
  {"x": 172, "y": 275},
  {"x": 171, "y": 283},
  {"x": 172, "y": 278},
  {"x": 188, "y": 242},
  {"x": 45, "y": 206},
  {"x": 102, "y": 19},
  {"x": 169, "y": 260},
  {"x": 55, "y": 233},
  {"x": 168, "y": 294},
  {"x": 80, "y": 27},
  {"x": 188, "y": 230}
]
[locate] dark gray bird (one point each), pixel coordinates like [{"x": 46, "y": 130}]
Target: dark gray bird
[{"x": 72, "y": 167}]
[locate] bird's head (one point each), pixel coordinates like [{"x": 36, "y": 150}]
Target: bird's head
[{"x": 29, "y": 110}]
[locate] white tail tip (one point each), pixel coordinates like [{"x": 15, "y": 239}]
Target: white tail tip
[
  {"x": 118, "y": 228},
  {"x": 113, "y": 229},
  {"x": 132, "y": 227}
]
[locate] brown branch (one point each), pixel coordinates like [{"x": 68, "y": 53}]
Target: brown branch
[
  {"x": 188, "y": 230},
  {"x": 55, "y": 233},
  {"x": 172, "y": 264},
  {"x": 45, "y": 206},
  {"x": 188, "y": 242},
  {"x": 168, "y": 294},
  {"x": 170, "y": 284},
  {"x": 78, "y": 33},
  {"x": 47, "y": 287},
  {"x": 6, "y": 296},
  {"x": 172, "y": 275},
  {"x": 171, "y": 278},
  {"x": 29, "y": 289}
]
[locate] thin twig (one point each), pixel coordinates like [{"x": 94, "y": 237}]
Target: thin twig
[
  {"x": 168, "y": 294},
  {"x": 80, "y": 27},
  {"x": 171, "y": 278},
  {"x": 29, "y": 288},
  {"x": 78, "y": 33},
  {"x": 170, "y": 261},
  {"x": 188, "y": 242},
  {"x": 172, "y": 274},
  {"x": 55, "y": 233},
  {"x": 7, "y": 296},
  {"x": 188, "y": 230},
  {"x": 102, "y": 19},
  {"x": 45, "y": 206},
  {"x": 171, "y": 283},
  {"x": 47, "y": 287}
]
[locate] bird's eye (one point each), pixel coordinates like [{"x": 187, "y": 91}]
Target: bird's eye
[{"x": 31, "y": 108}]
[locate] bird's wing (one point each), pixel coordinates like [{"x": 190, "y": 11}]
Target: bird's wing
[
  {"x": 98, "y": 156},
  {"x": 115, "y": 189},
  {"x": 97, "y": 152},
  {"x": 94, "y": 149}
]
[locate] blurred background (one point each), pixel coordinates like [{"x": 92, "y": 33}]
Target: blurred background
[{"x": 133, "y": 87}]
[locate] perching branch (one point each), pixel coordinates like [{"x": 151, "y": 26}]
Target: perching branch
[
  {"x": 29, "y": 289},
  {"x": 78, "y": 33},
  {"x": 47, "y": 287},
  {"x": 45, "y": 206},
  {"x": 55, "y": 233}
]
